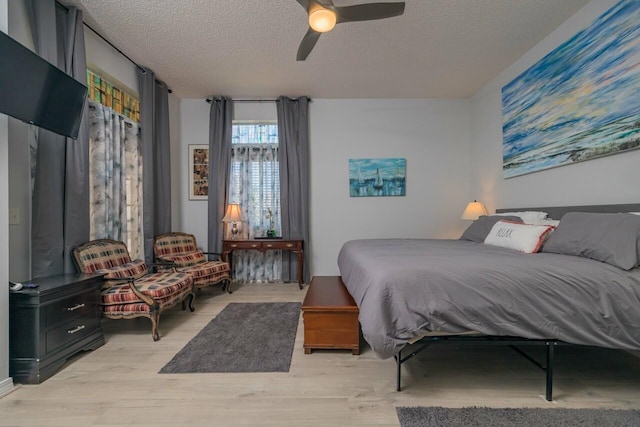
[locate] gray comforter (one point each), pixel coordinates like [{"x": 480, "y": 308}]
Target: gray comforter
[{"x": 406, "y": 287}]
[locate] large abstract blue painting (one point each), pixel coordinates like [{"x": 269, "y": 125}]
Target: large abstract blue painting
[{"x": 579, "y": 102}]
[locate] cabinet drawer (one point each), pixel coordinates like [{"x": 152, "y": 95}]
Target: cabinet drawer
[
  {"x": 71, "y": 308},
  {"x": 244, "y": 245},
  {"x": 71, "y": 331},
  {"x": 281, "y": 245}
]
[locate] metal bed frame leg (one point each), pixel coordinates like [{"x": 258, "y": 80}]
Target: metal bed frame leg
[
  {"x": 398, "y": 363},
  {"x": 550, "y": 348},
  {"x": 548, "y": 368}
]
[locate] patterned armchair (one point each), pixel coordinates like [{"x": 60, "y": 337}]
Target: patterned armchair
[
  {"x": 130, "y": 290},
  {"x": 180, "y": 250}
]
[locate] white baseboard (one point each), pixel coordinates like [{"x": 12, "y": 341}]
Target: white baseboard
[{"x": 6, "y": 386}]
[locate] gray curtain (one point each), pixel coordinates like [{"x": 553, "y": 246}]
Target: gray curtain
[
  {"x": 220, "y": 128},
  {"x": 60, "y": 210},
  {"x": 293, "y": 157},
  {"x": 156, "y": 167}
]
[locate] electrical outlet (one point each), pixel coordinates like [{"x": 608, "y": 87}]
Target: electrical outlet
[{"x": 14, "y": 216}]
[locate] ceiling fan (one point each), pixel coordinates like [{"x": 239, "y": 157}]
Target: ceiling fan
[{"x": 323, "y": 16}]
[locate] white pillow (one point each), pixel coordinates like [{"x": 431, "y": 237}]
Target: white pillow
[
  {"x": 525, "y": 238},
  {"x": 528, "y": 217},
  {"x": 552, "y": 222}
]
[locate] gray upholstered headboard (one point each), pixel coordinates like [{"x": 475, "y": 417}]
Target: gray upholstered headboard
[{"x": 556, "y": 212}]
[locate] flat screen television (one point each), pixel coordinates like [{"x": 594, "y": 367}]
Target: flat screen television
[{"x": 37, "y": 92}]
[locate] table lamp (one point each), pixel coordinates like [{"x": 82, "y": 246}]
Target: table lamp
[
  {"x": 474, "y": 210},
  {"x": 233, "y": 216}
]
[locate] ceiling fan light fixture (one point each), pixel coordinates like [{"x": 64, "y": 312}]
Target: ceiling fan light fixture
[{"x": 322, "y": 20}]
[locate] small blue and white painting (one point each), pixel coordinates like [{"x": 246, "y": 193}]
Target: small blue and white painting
[
  {"x": 377, "y": 177},
  {"x": 579, "y": 102}
]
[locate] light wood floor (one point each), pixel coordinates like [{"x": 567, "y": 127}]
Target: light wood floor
[{"x": 119, "y": 384}]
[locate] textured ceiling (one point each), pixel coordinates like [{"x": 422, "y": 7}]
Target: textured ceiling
[{"x": 247, "y": 48}]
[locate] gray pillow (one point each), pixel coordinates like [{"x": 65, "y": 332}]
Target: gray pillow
[
  {"x": 480, "y": 228},
  {"x": 610, "y": 238}
]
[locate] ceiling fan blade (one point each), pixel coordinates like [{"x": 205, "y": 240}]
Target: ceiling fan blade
[
  {"x": 369, "y": 11},
  {"x": 306, "y": 45},
  {"x": 306, "y": 4}
]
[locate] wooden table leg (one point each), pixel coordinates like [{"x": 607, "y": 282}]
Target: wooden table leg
[
  {"x": 229, "y": 255},
  {"x": 300, "y": 267}
]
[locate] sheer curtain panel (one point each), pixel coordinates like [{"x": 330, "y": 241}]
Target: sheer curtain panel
[
  {"x": 116, "y": 178},
  {"x": 255, "y": 185}
]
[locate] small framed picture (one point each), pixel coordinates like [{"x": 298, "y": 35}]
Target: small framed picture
[{"x": 198, "y": 172}]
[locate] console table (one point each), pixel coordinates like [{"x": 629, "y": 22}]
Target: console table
[
  {"x": 263, "y": 245},
  {"x": 51, "y": 323}
]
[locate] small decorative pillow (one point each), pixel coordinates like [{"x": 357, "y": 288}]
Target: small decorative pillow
[
  {"x": 613, "y": 238},
  {"x": 521, "y": 237},
  {"x": 479, "y": 229},
  {"x": 528, "y": 217}
]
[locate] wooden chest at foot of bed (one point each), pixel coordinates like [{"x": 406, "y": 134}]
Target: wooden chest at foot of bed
[{"x": 330, "y": 316}]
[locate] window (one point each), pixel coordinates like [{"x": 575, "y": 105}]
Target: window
[
  {"x": 106, "y": 93},
  {"x": 255, "y": 185},
  {"x": 255, "y": 178}
]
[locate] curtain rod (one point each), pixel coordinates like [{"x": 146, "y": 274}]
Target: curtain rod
[
  {"x": 208, "y": 100},
  {"x": 119, "y": 51},
  {"x": 246, "y": 100},
  {"x": 102, "y": 37},
  {"x": 113, "y": 46}
]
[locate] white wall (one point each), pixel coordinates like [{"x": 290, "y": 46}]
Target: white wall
[
  {"x": 433, "y": 135},
  {"x": 19, "y": 169},
  {"x": 605, "y": 180},
  {"x": 6, "y": 383},
  {"x": 175, "y": 150},
  {"x": 117, "y": 69},
  {"x": 191, "y": 216}
]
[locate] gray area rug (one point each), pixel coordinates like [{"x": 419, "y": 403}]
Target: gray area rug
[
  {"x": 515, "y": 417},
  {"x": 244, "y": 337}
]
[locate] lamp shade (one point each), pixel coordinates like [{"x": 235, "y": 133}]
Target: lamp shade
[
  {"x": 322, "y": 20},
  {"x": 233, "y": 213},
  {"x": 474, "y": 210}
]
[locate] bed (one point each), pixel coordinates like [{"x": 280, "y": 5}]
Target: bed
[{"x": 428, "y": 291}]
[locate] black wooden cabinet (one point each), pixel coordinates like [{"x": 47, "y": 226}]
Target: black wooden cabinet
[{"x": 52, "y": 322}]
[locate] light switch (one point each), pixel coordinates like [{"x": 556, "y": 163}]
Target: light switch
[{"x": 14, "y": 216}]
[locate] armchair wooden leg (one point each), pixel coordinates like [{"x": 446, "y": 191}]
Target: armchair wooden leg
[
  {"x": 155, "y": 320},
  {"x": 227, "y": 286},
  {"x": 192, "y": 297}
]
